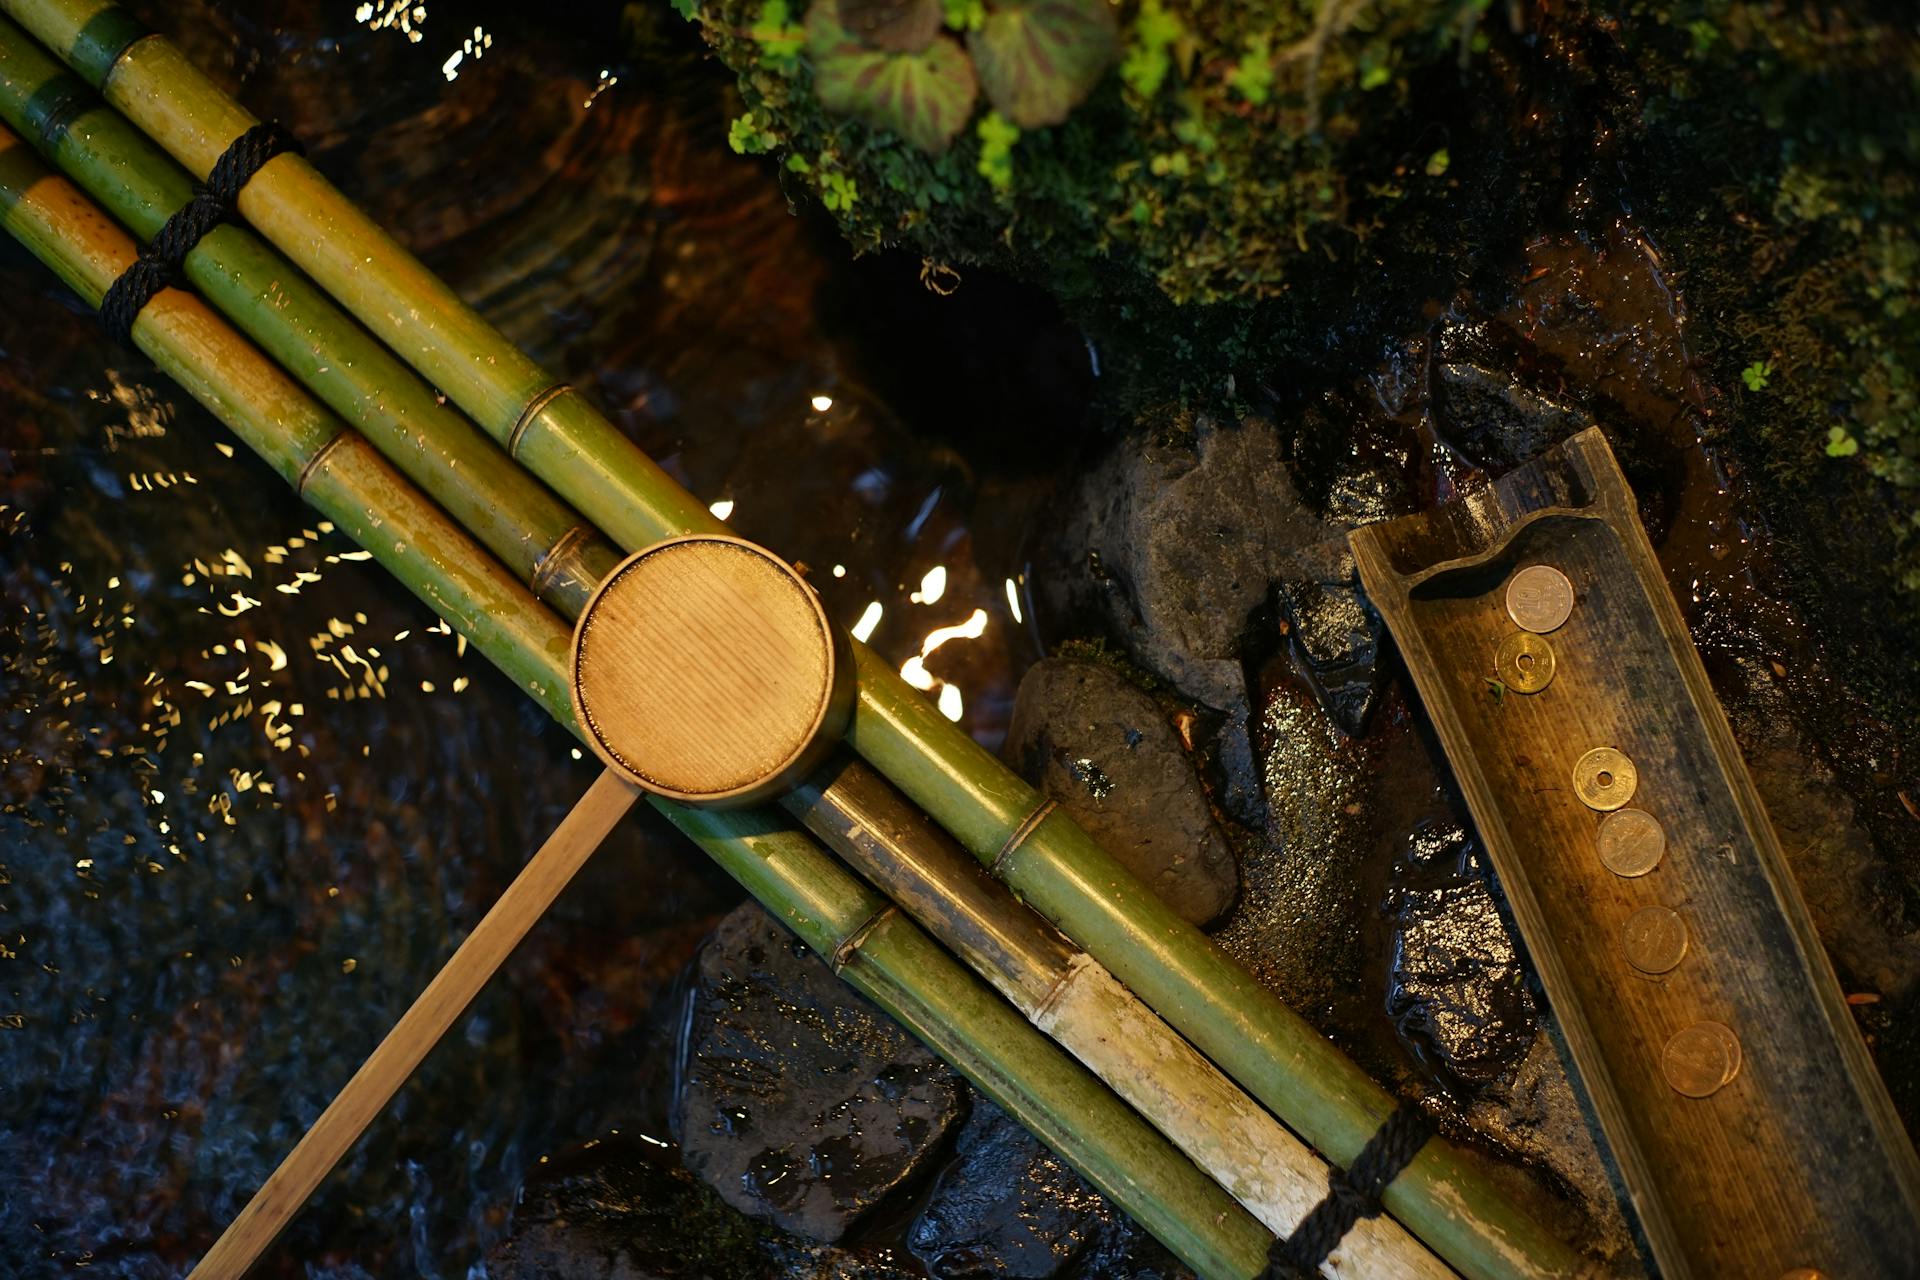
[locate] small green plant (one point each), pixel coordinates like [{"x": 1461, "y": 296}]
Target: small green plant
[
  {"x": 964, "y": 15},
  {"x": 997, "y": 136},
  {"x": 1252, "y": 76},
  {"x": 747, "y": 138},
  {"x": 780, "y": 39},
  {"x": 838, "y": 191},
  {"x": 1149, "y": 55},
  {"x": 688, "y": 9},
  {"x": 1756, "y": 374},
  {"x": 1438, "y": 163},
  {"x": 1840, "y": 443}
]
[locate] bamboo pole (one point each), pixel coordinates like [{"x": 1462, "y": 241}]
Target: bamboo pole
[
  {"x": 1210, "y": 1119},
  {"x": 869, "y": 942},
  {"x": 430, "y": 1017},
  {"x": 529, "y": 530},
  {"x": 1040, "y": 853},
  {"x": 1261, "y": 1164},
  {"x": 1071, "y": 996}
]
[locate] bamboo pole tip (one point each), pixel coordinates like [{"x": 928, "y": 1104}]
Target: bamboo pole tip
[{"x": 706, "y": 671}]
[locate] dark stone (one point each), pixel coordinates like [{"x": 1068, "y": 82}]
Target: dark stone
[
  {"x": 1096, "y": 743},
  {"x": 621, "y": 1208},
  {"x": 621, "y": 1212},
  {"x": 1482, "y": 409},
  {"x": 798, "y": 1101},
  {"x": 1173, "y": 544},
  {"x": 1009, "y": 1207},
  {"x": 1457, "y": 989},
  {"x": 1336, "y": 633}
]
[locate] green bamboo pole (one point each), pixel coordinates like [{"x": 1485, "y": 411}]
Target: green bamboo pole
[
  {"x": 266, "y": 298},
  {"x": 871, "y": 944},
  {"x": 1043, "y": 856},
  {"x": 519, "y": 520}
]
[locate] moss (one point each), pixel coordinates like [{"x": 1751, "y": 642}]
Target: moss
[
  {"x": 1258, "y": 180},
  {"x": 1802, "y": 246}
]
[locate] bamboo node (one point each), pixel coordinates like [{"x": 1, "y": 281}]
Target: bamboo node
[
  {"x": 1020, "y": 834},
  {"x": 555, "y": 558},
  {"x": 532, "y": 411},
  {"x": 319, "y": 456},
  {"x": 843, "y": 954}
]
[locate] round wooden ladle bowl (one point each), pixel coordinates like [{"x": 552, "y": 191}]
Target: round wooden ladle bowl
[{"x": 705, "y": 670}]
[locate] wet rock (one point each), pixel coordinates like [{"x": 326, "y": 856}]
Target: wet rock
[
  {"x": 622, "y": 1209},
  {"x": 622, "y": 1213},
  {"x": 799, "y": 1102},
  {"x": 1457, "y": 989},
  {"x": 1336, "y": 633},
  {"x": 1093, "y": 741},
  {"x": 1009, "y": 1207},
  {"x": 1497, "y": 423},
  {"x": 1175, "y": 543}
]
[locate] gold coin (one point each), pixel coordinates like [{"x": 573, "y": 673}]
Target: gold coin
[
  {"x": 1701, "y": 1060},
  {"x": 1654, "y": 938},
  {"x": 1631, "y": 842},
  {"x": 1525, "y": 662},
  {"x": 1604, "y": 779},
  {"x": 1539, "y": 598}
]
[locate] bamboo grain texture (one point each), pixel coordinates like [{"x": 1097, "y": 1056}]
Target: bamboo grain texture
[{"x": 1797, "y": 1161}]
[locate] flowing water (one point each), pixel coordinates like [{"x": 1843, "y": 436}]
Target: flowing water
[{"x": 254, "y": 792}]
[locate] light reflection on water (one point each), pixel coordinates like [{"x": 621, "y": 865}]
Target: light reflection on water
[{"x": 252, "y": 793}]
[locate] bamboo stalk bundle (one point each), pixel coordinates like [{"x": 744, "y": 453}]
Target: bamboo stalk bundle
[
  {"x": 520, "y": 521},
  {"x": 1073, "y": 999},
  {"x": 871, "y": 944},
  {"x": 1037, "y": 851}
]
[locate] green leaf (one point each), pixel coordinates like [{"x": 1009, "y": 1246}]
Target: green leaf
[
  {"x": 1039, "y": 59},
  {"x": 1252, "y": 76},
  {"x": 1841, "y": 444},
  {"x": 1438, "y": 163},
  {"x": 1756, "y": 374},
  {"x": 780, "y": 41},
  {"x": 1148, "y": 59},
  {"x": 898, "y": 26},
  {"x": 687, "y": 9},
  {"x": 997, "y": 136},
  {"x": 964, "y": 15},
  {"x": 924, "y": 97},
  {"x": 748, "y": 138}
]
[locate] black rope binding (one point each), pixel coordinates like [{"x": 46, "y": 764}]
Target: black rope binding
[
  {"x": 1351, "y": 1196},
  {"x": 211, "y": 205}
]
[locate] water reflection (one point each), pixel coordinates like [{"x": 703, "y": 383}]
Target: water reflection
[{"x": 252, "y": 793}]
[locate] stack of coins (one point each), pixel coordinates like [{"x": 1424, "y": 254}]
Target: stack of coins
[{"x": 1698, "y": 1060}]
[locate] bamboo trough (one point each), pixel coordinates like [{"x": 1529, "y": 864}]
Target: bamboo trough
[
  {"x": 1751, "y": 1128},
  {"x": 552, "y": 431}
]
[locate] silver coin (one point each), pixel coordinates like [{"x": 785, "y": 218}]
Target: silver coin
[
  {"x": 1631, "y": 842},
  {"x": 1539, "y": 598}
]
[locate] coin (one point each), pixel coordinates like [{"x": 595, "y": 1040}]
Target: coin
[
  {"x": 1525, "y": 662},
  {"x": 1631, "y": 842},
  {"x": 1701, "y": 1060},
  {"x": 1539, "y": 598},
  {"x": 1654, "y": 938},
  {"x": 1604, "y": 779}
]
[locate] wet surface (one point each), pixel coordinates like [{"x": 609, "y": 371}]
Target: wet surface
[{"x": 255, "y": 793}]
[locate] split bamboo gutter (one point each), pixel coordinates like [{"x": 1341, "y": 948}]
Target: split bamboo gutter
[
  {"x": 553, "y": 431},
  {"x": 876, "y": 949}
]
